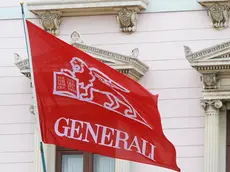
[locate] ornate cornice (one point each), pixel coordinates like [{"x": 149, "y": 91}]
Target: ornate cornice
[
  {"x": 205, "y": 52},
  {"x": 85, "y": 7},
  {"x": 210, "y": 60},
  {"x": 128, "y": 65},
  {"x": 213, "y": 64},
  {"x": 125, "y": 10},
  {"x": 218, "y": 93}
]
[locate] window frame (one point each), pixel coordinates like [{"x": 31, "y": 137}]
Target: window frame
[{"x": 87, "y": 158}]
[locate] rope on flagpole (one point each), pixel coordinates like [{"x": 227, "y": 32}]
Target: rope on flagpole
[{"x": 32, "y": 82}]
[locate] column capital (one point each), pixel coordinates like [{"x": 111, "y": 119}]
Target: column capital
[{"x": 211, "y": 105}]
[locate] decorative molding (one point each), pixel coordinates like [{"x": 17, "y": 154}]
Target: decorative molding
[
  {"x": 215, "y": 59},
  {"x": 212, "y": 63},
  {"x": 51, "y": 21},
  {"x": 127, "y": 18},
  {"x": 218, "y": 11},
  {"x": 206, "y": 52},
  {"x": 216, "y": 94},
  {"x": 85, "y": 7},
  {"x": 214, "y": 68},
  {"x": 209, "y": 81}
]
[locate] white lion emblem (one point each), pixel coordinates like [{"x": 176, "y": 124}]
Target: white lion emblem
[{"x": 93, "y": 86}]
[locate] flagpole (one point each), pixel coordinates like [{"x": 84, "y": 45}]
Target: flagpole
[{"x": 32, "y": 83}]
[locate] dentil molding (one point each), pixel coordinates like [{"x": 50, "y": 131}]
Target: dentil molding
[
  {"x": 51, "y": 11},
  {"x": 218, "y": 11}
]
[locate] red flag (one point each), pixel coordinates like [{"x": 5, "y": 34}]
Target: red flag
[{"x": 86, "y": 105}]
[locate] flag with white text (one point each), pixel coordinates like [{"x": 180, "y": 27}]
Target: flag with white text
[{"x": 86, "y": 105}]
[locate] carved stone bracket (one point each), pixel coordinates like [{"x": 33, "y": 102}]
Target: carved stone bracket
[
  {"x": 219, "y": 15},
  {"x": 127, "y": 18},
  {"x": 51, "y": 21},
  {"x": 218, "y": 12},
  {"x": 209, "y": 80}
]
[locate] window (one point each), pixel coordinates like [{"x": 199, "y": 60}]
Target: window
[{"x": 68, "y": 160}]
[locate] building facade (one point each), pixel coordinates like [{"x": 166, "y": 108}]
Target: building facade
[{"x": 178, "y": 49}]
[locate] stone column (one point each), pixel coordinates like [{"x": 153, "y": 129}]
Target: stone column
[{"x": 212, "y": 108}]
